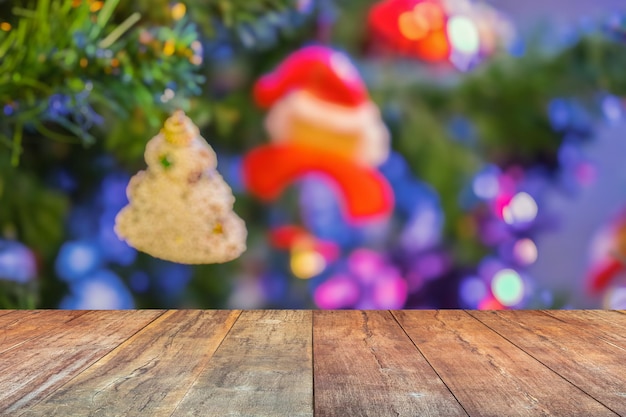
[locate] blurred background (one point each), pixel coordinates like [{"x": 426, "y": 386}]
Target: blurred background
[{"x": 482, "y": 168}]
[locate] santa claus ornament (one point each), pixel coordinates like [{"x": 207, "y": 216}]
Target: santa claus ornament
[
  {"x": 460, "y": 32},
  {"x": 180, "y": 209},
  {"x": 321, "y": 119},
  {"x": 608, "y": 256}
]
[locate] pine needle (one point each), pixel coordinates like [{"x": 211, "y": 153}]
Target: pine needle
[
  {"x": 120, "y": 30},
  {"x": 17, "y": 144}
]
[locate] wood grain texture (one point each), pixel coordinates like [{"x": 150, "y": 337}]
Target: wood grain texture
[
  {"x": 588, "y": 353},
  {"x": 149, "y": 373},
  {"x": 262, "y": 368},
  {"x": 3, "y": 312},
  {"x": 489, "y": 375},
  {"x": 610, "y": 324},
  {"x": 365, "y": 365},
  {"x": 304, "y": 363},
  {"x": 18, "y": 326},
  {"x": 42, "y": 364}
]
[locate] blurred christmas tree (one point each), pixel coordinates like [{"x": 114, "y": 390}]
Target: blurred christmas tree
[{"x": 480, "y": 136}]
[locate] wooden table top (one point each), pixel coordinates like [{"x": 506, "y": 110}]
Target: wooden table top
[{"x": 312, "y": 363}]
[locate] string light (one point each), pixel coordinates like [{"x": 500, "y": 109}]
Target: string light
[
  {"x": 306, "y": 263},
  {"x": 486, "y": 184},
  {"x": 178, "y": 11},
  {"x": 521, "y": 209},
  {"x": 507, "y": 287},
  {"x": 95, "y": 6},
  {"x": 472, "y": 291},
  {"x": 463, "y": 35},
  {"x": 167, "y": 95},
  {"x": 525, "y": 251},
  {"x": 169, "y": 48}
]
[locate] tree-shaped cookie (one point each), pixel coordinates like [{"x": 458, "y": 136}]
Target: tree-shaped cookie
[{"x": 180, "y": 208}]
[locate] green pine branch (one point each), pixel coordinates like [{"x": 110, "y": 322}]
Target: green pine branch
[{"x": 62, "y": 64}]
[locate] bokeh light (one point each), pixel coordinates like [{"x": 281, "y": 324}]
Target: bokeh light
[
  {"x": 521, "y": 209},
  {"x": 17, "y": 262},
  {"x": 507, "y": 287},
  {"x": 612, "y": 108},
  {"x": 306, "y": 263},
  {"x": 77, "y": 259},
  {"x": 367, "y": 281},
  {"x": 178, "y": 10},
  {"x": 463, "y": 35},
  {"x": 472, "y": 291},
  {"x": 525, "y": 251},
  {"x": 339, "y": 292},
  {"x": 101, "y": 290},
  {"x": 486, "y": 184},
  {"x": 615, "y": 298}
]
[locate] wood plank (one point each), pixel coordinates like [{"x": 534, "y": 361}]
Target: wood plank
[
  {"x": 149, "y": 373},
  {"x": 6, "y": 311},
  {"x": 263, "y": 368},
  {"x": 489, "y": 375},
  {"x": 365, "y": 365},
  {"x": 42, "y": 364},
  {"x": 575, "y": 349},
  {"x": 19, "y": 326},
  {"x": 610, "y": 322}
]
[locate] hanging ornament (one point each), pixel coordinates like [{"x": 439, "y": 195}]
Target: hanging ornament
[
  {"x": 608, "y": 255},
  {"x": 456, "y": 31},
  {"x": 321, "y": 119},
  {"x": 180, "y": 209}
]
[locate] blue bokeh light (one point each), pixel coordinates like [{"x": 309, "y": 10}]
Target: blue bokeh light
[
  {"x": 77, "y": 258},
  {"x": 17, "y": 262},
  {"x": 101, "y": 290}
]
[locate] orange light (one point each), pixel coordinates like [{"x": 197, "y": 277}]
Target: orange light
[
  {"x": 95, "y": 6},
  {"x": 412, "y": 26},
  {"x": 431, "y": 13},
  {"x": 83, "y": 62},
  {"x": 6, "y": 26},
  {"x": 435, "y": 47},
  {"x": 115, "y": 62}
]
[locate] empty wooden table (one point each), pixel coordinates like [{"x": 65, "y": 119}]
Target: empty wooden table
[{"x": 312, "y": 363}]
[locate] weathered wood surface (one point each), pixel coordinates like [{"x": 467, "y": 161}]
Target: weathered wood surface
[
  {"x": 263, "y": 368},
  {"x": 581, "y": 351},
  {"x": 20, "y": 326},
  {"x": 489, "y": 375},
  {"x": 312, "y": 363},
  {"x": 148, "y": 374},
  {"x": 42, "y": 364},
  {"x": 365, "y": 365}
]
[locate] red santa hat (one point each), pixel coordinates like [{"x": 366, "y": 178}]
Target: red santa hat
[{"x": 323, "y": 72}]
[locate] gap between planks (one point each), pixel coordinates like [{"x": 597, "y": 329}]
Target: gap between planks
[
  {"x": 148, "y": 373},
  {"x": 565, "y": 344},
  {"x": 487, "y": 373},
  {"x": 263, "y": 368},
  {"x": 49, "y": 360}
]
